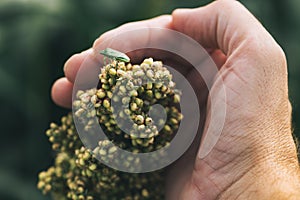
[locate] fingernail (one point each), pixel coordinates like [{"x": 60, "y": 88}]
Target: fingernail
[
  {"x": 67, "y": 64},
  {"x": 83, "y": 53}
]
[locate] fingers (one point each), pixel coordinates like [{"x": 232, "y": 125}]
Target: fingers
[
  {"x": 223, "y": 24},
  {"x": 135, "y": 36},
  {"x": 62, "y": 92},
  {"x": 115, "y": 39},
  {"x": 83, "y": 68},
  {"x": 74, "y": 62}
]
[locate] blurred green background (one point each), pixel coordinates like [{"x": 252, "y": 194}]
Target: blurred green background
[{"x": 36, "y": 38}]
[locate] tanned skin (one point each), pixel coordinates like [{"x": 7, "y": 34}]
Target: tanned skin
[{"x": 255, "y": 157}]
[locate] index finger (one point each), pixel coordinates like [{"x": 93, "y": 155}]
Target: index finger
[
  {"x": 110, "y": 39},
  {"x": 89, "y": 61}
]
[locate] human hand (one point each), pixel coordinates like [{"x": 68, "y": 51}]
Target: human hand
[{"x": 255, "y": 156}]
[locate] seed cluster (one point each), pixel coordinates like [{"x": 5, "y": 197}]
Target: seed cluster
[
  {"x": 124, "y": 100},
  {"x": 123, "y": 105}
]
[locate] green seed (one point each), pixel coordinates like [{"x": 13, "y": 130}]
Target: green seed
[
  {"x": 139, "y": 119},
  {"x": 103, "y": 80},
  {"x": 80, "y": 189},
  {"x": 149, "y": 86},
  {"x": 105, "y": 86},
  {"x": 133, "y": 106},
  {"x": 139, "y": 73},
  {"x": 145, "y": 193},
  {"x": 51, "y": 139},
  {"x": 148, "y": 61},
  {"x": 53, "y": 126},
  {"x": 106, "y": 103},
  {"x": 149, "y": 93},
  {"x": 163, "y": 88},
  {"x": 125, "y": 100},
  {"x": 158, "y": 85},
  {"x": 141, "y": 127},
  {"x": 174, "y": 121},
  {"x": 150, "y": 73},
  {"x": 139, "y": 102},
  {"x": 148, "y": 120},
  {"x": 157, "y": 95},
  {"x": 79, "y": 93},
  {"x": 136, "y": 67},
  {"x": 112, "y": 150},
  {"x": 127, "y": 111},
  {"x": 81, "y": 162},
  {"x": 102, "y": 152},
  {"x": 112, "y": 71},
  {"x": 100, "y": 94},
  {"x": 167, "y": 128},
  {"x": 111, "y": 81},
  {"x": 120, "y": 72},
  {"x": 133, "y": 93},
  {"x": 176, "y": 98},
  {"x": 122, "y": 89},
  {"x": 109, "y": 94}
]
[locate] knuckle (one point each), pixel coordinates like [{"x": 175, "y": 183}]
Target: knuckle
[
  {"x": 266, "y": 48},
  {"x": 279, "y": 54},
  {"x": 176, "y": 12},
  {"x": 227, "y": 4},
  {"x": 279, "y": 58}
]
